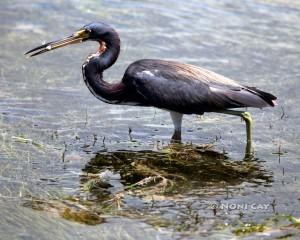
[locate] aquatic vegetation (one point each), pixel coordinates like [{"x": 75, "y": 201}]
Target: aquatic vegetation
[
  {"x": 152, "y": 178},
  {"x": 248, "y": 228},
  {"x": 282, "y": 224},
  {"x": 295, "y": 222},
  {"x": 175, "y": 169},
  {"x": 86, "y": 217},
  {"x": 106, "y": 164},
  {"x": 91, "y": 213},
  {"x": 70, "y": 209}
]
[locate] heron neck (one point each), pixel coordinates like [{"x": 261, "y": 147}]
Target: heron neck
[
  {"x": 106, "y": 92},
  {"x": 112, "y": 50},
  {"x": 94, "y": 66}
]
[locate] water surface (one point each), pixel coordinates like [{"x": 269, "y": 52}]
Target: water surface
[{"x": 58, "y": 142}]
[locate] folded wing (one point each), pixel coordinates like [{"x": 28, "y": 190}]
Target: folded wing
[{"x": 189, "y": 89}]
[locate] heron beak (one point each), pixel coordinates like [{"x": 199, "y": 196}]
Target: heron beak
[{"x": 76, "y": 37}]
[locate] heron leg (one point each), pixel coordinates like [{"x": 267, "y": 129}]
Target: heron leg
[
  {"x": 246, "y": 116},
  {"x": 177, "y": 121}
]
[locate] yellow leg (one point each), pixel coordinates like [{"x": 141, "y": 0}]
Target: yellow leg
[
  {"x": 246, "y": 116},
  {"x": 248, "y": 119}
]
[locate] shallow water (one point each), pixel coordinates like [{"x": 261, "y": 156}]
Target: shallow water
[{"x": 69, "y": 169}]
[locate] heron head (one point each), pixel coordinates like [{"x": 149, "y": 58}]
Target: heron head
[
  {"x": 96, "y": 31},
  {"x": 99, "y": 31}
]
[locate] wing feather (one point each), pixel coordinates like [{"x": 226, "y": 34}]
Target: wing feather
[{"x": 189, "y": 89}]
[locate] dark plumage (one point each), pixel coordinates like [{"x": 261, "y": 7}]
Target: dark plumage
[
  {"x": 189, "y": 89},
  {"x": 177, "y": 87}
]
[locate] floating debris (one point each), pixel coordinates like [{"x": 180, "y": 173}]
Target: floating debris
[{"x": 26, "y": 140}]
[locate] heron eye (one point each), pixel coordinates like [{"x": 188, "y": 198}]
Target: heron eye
[{"x": 87, "y": 30}]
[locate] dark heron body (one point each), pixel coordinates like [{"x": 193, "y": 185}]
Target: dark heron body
[{"x": 177, "y": 87}]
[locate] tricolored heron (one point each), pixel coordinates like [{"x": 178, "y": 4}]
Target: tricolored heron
[{"x": 176, "y": 87}]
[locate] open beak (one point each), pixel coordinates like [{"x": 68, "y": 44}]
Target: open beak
[{"x": 76, "y": 37}]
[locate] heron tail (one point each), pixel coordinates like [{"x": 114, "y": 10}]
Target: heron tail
[{"x": 267, "y": 97}]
